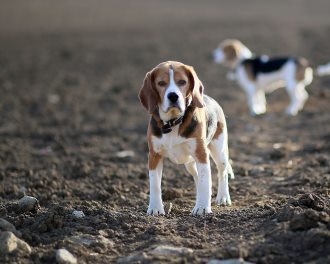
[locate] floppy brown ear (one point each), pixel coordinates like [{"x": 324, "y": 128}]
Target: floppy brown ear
[
  {"x": 148, "y": 95},
  {"x": 231, "y": 52},
  {"x": 196, "y": 88}
]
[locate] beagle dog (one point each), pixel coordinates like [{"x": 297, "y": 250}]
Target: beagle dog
[
  {"x": 187, "y": 127},
  {"x": 260, "y": 75}
]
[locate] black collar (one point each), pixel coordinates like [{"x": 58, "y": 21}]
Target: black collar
[{"x": 167, "y": 127}]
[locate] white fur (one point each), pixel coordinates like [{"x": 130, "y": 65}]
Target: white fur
[
  {"x": 268, "y": 82},
  {"x": 323, "y": 70},
  {"x": 166, "y": 105},
  {"x": 182, "y": 151}
]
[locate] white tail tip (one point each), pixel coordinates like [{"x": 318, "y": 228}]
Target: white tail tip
[{"x": 323, "y": 70}]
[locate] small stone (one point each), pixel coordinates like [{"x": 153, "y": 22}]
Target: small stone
[
  {"x": 28, "y": 204},
  {"x": 125, "y": 154},
  {"x": 78, "y": 214},
  {"x": 9, "y": 243},
  {"x": 170, "y": 250},
  {"x": 228, "y": 261},
  {"x": 65, "y": 257},
  {"x": 6, "y": 226}
]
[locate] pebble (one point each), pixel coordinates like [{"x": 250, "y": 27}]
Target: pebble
[
  {"x": 9, "y": 243},
  {"x": 90, "y": 240},
  {"x": 125, "y": 154},
  {"x": 170, "y": 250},
  {"x": 65, "y": 257},
  {"x": 6, "y": 226},
  {"x": 78, "y": 214},
  {"x": 228, "y": 261},
  {"x": 28, "y": 203}
]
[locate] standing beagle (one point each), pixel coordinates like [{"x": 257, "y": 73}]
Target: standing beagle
[
  {"x": 257, "y": 75},
  {"x": 187, "y": 127}
]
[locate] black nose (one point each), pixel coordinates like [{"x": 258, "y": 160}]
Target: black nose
[{"x": 173, "y": 97}]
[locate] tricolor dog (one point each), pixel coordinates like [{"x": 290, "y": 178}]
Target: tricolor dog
[
  {"x": 187, "y": 127},
  {"x": 260, "y": 75}
]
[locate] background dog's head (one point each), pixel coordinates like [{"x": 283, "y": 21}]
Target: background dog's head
[{"x": 230, "y": 52}]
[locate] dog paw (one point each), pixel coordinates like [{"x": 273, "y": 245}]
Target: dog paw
[
  {"x": 200, "y": 210},
  {"x": 223, "y": 200},
  {"x": 156, "y": 210}
]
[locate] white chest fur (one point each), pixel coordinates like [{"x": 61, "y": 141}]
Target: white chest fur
[{"x": 178, "y": 149}]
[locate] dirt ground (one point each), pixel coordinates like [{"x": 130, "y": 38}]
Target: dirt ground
[{"x": 73, "y": 133}]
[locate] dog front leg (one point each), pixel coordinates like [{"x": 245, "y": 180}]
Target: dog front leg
[
  {"x": 156, "y": 206},
  {"x": 203, "y": 189}
]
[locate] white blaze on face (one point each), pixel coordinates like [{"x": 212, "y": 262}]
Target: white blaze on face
[
  {"x": 218, "y": 56},
  {"x": 167, "y": 105}
]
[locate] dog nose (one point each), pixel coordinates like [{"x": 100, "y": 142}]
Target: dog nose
[{"x": 173, "y": 97}]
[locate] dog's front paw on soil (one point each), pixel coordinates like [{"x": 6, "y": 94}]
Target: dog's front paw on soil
[
  {"x": 156, "y": 210},
  {"x": 201, "y": 210}
]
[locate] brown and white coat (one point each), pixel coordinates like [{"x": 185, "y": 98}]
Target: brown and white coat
[
  {"x": 187, "y": 127},
  {"x": 259, "y": 75}
]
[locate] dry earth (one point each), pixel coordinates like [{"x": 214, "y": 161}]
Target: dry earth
[{"x": 69, "y": 77}]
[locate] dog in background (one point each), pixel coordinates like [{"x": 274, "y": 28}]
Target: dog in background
[
  {"x": 258, "y": 75},
  {"x": 187, "y": 127}
]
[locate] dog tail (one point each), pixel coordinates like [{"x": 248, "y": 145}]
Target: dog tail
[
  {"x": 230, "y": 171},
  {"x": 323, "y": 70}
]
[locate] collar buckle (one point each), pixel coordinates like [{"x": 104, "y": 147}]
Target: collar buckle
[{"x": 167, "y": 128}]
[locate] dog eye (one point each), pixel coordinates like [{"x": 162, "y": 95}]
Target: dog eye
[
  {"x": 181, "y": 82},
  {"x": 162, "y": 83}
]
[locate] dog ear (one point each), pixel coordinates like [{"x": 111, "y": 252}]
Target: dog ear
[
  {"x": 231, "y": 52},
  {"x": 196, "y": 88},
  {"x": 148, "y": 95}
]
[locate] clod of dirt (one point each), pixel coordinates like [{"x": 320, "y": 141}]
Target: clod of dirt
[
  {"x": 277, "y": 154},
  {"x": 286, "y": 213},
  {"x": 313, "y": 201},
  {"x": 308, "y": 219},
  {"x": 10, "y": 243},
  {"x": 65, "y": 257},
  {"x": 28, "y": 204},
  {"x": 171, "y": 194},
  {"x": 233, "y": 252}
]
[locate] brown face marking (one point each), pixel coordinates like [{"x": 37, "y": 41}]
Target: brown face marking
[{"x": 162, "y": 78}]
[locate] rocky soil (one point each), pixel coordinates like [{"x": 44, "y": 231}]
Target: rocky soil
[{"x": 73, "y": 152}]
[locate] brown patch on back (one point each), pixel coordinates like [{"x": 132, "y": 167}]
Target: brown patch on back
[
  {"x": 249, "y": 71},
  {"x": 302, "y": 65}
]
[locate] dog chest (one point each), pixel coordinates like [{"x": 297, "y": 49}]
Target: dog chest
[{"x": 178, "y": 149}]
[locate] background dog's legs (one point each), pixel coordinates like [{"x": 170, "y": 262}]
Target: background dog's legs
[
  {"x": 219, "y": 153},
  {"x": 298, "y": 96},
  {"x": 256, "y": 100},
  {"x": 156, "y": 206}
]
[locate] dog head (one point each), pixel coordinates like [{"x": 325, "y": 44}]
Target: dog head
[
  {"x": 171, "y": 87},
  {"x": 230, "y": 51}
]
